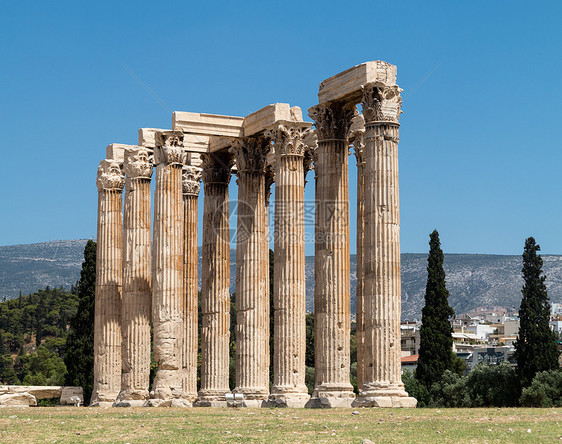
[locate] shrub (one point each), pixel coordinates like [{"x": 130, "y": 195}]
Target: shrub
[{"x": 545, "y": 390}]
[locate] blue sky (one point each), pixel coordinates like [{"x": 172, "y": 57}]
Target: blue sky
[{"x": 480, "y": 141}]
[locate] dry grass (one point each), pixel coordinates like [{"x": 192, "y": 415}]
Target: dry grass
[{"x": 137, "y": 425}]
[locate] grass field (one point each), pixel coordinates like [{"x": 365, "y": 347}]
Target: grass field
[{"x": 139, "y": 425}]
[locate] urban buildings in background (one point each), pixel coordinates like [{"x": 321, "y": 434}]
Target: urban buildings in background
[{"x": 486, "y": 334}]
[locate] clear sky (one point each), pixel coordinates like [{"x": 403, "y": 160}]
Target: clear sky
[{"x": 480, "y": 141}]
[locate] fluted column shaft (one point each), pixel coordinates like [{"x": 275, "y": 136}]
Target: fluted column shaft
[
  {"x": 382, "y": 385},
  {"x": 215, "y": 296},
  {"x": 191, "y": 179},
  {"x": 109, "y": 278},
  {"x": 252, "y": 342},
  {"x": 357, "y": 139},
  {"x": 289, "y": 297},
  {"x": 382, "y": 264},
  {"x": 332, "y": 316},
  {"x": 167, "y": 303},
  {"x": 137, "y": 289}
]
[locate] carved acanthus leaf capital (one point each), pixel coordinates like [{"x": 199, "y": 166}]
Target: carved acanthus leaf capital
[
  {"x": 381, "y": 103},
  {"x": 216, "y": 168},
  {"x": 169, "y": 148},
  {"x": 357, "y": 138},
  {"x": 191, "y": 180},
  {"x": 110, "y": 176},
  {"x": 269, "y": 181},
  {"x": 332, "y": 119},
  {"x": 250, "y": 153},
  {"x": 309, "y": 159},
  {"x": 288, "y": 139},
  {"x": 138, "y": 163}
]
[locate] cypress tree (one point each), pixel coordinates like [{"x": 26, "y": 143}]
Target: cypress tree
[
  {"x": 436, "y": 340},
  {"x": 79, "y": 357},
  {"x": 535, "y": 349}
]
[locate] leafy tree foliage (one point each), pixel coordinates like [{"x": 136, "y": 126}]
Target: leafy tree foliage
[
  {"x": 485, "y": 386},
  {"x": 79, "y": 358},
  {"x": 33, "y": 330},
  {"x": 436, "y": 341},
  {"x": 535, "y": 349},
  {"x": 544, "y": 391}
]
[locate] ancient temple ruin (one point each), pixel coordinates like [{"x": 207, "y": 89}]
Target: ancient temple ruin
[{"x": 147, "y": 268}]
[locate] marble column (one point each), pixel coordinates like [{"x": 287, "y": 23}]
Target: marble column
[
  {"x": 109, "y": 279},
  {"x": 252, "y": 294},
  {"x": 357, "y": 138},
  {"x": 332, "y": 317},
  {"x": 191, "y": 186},
  {"x": 382, "y": 384},
  {"x": 215, "y": 295},
  {"x": 167, "y": 272},
  {"x": 137, "y": 289},
  {"x": 289, "y": 298},
  {"x": 269, "y": 181}
]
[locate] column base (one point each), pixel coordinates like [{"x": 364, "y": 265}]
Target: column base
[
  {"x": 212, "y": 398},
  {"x": 287, "y": 400},
  {"x": 253, "y": 398},
  {"x": 103, "y": 399},
  {"x": 131, "y": 397},
  {"x": 384, "y": 396},
  {"x": 331, "y": 396}
]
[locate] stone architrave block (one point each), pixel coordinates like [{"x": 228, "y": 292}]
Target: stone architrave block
[
  {"x": 116, "y": 151},
  {"x": 207, "y": 124},
  {"x": 263, "y": 118},
  {"x": 147, "y": 137},
  {"x": 196, "y": 143},
  {"x": 346, "y": 86}
]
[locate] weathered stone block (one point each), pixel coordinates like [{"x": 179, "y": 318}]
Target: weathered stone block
[
  {"x": 116, "y": 151},
  {"x": 207, "y": 124},
  {"x": 196, "y": 143},
  {"x": 18, "y": 399},
  {"x": 262, "y": 119},
  {"x": 147, "y": 137},
  {"x": 346, "y": 86},
  {"x": 70, "y": 392}
]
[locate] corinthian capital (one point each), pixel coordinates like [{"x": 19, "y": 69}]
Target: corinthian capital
[
  {"x": 332, "y": 119},
  {"x": 138, "y": 163},
  {"x": 216, "y": 168},
  {"x": 289, "y": 138},
  {"x": 357, "y": 138},
  {"x": 169, "y": 148},
  {"x": 250, "y": 153},
  {"x": 110, "y": 176},
  {"x": 381, "y": 103},
  {"x": 191, "y": 179}
]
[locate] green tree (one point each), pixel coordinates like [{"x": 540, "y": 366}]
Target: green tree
[
  {"x": 436, "y": 341},
  {"x": 535, "y": 349},
  {"x": 544, "y": 391},
  {"x": 79, "y": 358}
]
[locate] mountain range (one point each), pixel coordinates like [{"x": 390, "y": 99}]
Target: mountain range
[{"x": 473, "y": 280}]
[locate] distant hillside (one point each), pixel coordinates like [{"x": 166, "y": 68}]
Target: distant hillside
[
  {"x": 473, "y": 280},
  {"x": 33, "y": 266}
]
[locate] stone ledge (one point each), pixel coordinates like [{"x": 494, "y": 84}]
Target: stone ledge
[{"x": 346, "y": 86}]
